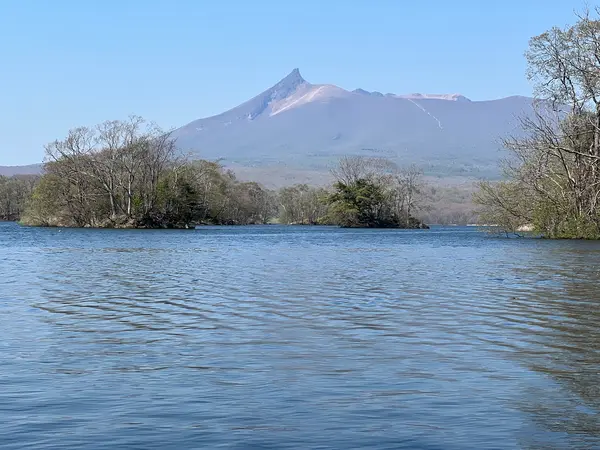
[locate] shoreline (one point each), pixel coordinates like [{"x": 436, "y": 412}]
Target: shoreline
[{"x": 202, "y": 225}]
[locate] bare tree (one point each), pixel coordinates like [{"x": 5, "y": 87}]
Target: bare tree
[
  {"x": 302, "y": 204},
  {"x": 556, "y": 166},
  {"x": 409, "y": 190},
  {"x": 350, "y": 169}
]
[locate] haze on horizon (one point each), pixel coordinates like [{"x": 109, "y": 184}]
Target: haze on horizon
[{"x": 71, "y": 63}]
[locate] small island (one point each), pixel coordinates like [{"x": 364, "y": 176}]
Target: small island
[
  {"x": 130, "y": 174},
  {"x": 374, "y": 193}
]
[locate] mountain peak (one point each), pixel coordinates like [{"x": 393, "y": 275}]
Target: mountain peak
[
  {"x": 285, "y": 88},
  {"x": 292, "y": 79}
]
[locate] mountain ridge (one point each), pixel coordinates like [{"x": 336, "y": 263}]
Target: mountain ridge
[
  {"x": 294, "y": 80},
  {"x": 298, "y": 125},
  {"x": 29, "y": 169},
  {"x": 296, "y": 130}
]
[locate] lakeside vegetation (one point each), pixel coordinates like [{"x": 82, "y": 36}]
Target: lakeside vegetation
[
  {"x": 375, "y": 193},
  {"x": 15, "y": 193},
  {"x": 552, "y": 174},
  {"x": 129, "y": 174}
]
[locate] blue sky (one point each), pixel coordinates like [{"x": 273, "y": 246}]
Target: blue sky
[{"x": 65, "y": 63}]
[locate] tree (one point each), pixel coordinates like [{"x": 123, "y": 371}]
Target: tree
[
  {"x": 129, "y": 174},
  {"x": 50, "y": 201},
  {"x": 375, "y": 193},
  {"x": 14, "y": 194},
  {"x": 553, "y": 172},
  {"x": 302, "y": 204},
  {"x": 361, "y": 204},
  {"x": 406, "y": 188},
  {"x": 350, "y": 169}
]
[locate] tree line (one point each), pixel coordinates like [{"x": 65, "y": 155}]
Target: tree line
[
  {"x": 552, "y": 173},
  {"x": 129, "y": 174},
  {"x": 15, "y": 192}
]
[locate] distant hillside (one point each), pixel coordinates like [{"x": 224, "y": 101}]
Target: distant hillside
[
  {"x": 296, "y": 130},
  {"x": 9, "y": 171}
]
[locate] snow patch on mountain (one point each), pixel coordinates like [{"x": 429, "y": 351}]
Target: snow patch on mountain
[
  {"x": 449, "y": 97},
  {"x": 307, "y": 94},
  {"x": 426, "y": 112}
]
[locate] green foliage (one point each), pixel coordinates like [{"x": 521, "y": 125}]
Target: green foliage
[
  {"x": 120, "y": 175},
  {"x": 129, "y": 174},
  {"x": 360, "y": 204},
  {"x": 14, "y": 194},
  {"x": 365, "y": 204},
  {"x": 44, "y": 204},
  {"x": 557, "y": 220},
  {"x": 185, "y": 194},
  {"x": 375, "y": 193}
]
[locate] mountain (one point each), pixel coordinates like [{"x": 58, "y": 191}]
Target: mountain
[
  {"x": 295, "y": 131},
  {"x": 8, "y": 171},
  {"x": 300, "y": 129}
]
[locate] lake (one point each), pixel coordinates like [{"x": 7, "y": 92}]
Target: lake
[{"x": 297, "y": 337}]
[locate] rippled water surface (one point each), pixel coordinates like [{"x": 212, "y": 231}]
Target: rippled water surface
[{"x": 285, "y": 337}]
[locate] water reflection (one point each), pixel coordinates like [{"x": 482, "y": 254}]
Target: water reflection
[{"x": 563, "y": 346}]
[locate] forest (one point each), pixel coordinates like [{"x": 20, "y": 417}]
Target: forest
[{"x": 129, "y": 174}]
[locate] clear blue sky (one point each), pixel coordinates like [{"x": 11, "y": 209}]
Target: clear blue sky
[{"x": 65, "y": 63}]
